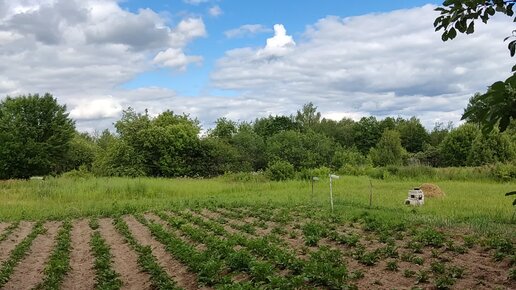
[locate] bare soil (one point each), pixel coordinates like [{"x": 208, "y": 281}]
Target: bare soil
[
  {"x": 29, "y": 272},
  {"x": 14, "y": 239},
  {"x": 124, "y": 258},
  {"x": 179, "y": 272},
  {"x": 3, "y": 226},
  {"x": 82, "y": 274}
]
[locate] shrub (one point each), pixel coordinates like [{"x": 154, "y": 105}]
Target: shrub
[{"x": 280, "y": 170}]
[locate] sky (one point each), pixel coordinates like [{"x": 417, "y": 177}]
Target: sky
[{"x": 246, "y": 59}]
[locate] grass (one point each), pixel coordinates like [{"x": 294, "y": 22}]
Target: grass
[{"x": 480, "y": 204}]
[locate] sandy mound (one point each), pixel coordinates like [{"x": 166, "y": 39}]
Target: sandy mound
[{"x": 431, "y": 190}]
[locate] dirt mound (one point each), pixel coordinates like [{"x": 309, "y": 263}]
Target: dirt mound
[{"x": 431, "y": 190}]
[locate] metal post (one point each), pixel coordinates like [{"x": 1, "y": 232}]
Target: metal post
[
  {"x": 370, "y": 193},
  {"x": 331, "y": 193}
]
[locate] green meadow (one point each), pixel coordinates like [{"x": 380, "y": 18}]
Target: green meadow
[{"x": 479, "y": 204}]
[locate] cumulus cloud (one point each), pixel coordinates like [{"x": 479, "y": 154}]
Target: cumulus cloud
[
  {"x": 382, "y": 64},
  {"x": 175, "y": 58},
  {"x": 246, "y": 30},
  {"x": 87, "y": 109},
  {"x": 215, "y": 11},
  {"x": 278, "y": 45},
  {"x": 83, "y": 51}
]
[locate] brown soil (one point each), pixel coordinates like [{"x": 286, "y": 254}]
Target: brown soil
[
  {"x": 431, "y": 190},
  {"x": 14, "y": 239},
  {"x": 124, "y": 258},
  {"x": 82, "y": 274},
  {"x": 174, "y": 268},
  {"x": 3, "y": 226},
  {"x": 29, "y": 272}
]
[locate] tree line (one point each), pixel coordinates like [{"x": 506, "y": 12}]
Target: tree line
[{"x": 37, "y": 137}]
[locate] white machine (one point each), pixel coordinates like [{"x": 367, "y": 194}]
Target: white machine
[{"x": 415, "y": 197}]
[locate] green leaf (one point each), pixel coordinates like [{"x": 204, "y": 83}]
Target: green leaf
[
  {"x": 490, "y": 10},
  {"x": 452, "y": 33},
  {"x": 498, "y": 86},
  {"x": 471, "y": 28}
]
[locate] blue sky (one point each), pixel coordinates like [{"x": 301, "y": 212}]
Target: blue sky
[
  {"x": 244, "y": 59},
  {"x": 294, "y": 15}
]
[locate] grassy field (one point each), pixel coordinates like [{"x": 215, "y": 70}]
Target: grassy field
[
  {"x": 113, "y": 233},
  {"x": 477, "y": 203}
]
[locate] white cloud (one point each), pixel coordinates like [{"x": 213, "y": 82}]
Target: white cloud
[
  {"x": 195, "y": 2},
  {"x": 278, "y": 45},
  {"x": 82, "y": 51},
  {"x": 246, "y": 30},
  {"x": 96, "y": 109},
  {"x": 382, "y": 64},
  {"x": 215, "y": 11},
  {"x": 175, "y": 58}
]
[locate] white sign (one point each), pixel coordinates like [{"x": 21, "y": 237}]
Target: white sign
[{"x": 332, "y": 176}]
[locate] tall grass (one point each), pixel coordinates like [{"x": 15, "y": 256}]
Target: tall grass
[{"x": 56, "y": 198}]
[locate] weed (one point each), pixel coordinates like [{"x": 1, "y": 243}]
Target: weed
[
  {"x": 444, "y": 282},
  {"x": 422, "y": 277},
  {"x": 408, "y": 273},
  {"x": 356, "y": 275},
  {"x": 392, "y": 266},
  {"x": 438, "y": 267}
]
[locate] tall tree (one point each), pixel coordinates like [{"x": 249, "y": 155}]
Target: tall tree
[
  {"x": 35, "y": 134},
  {"x": 388, "y": 151},
  {"x": 308, "y": 116},
  {"x": 498, "y": 104},
  {"x": 457, "y": 145}
]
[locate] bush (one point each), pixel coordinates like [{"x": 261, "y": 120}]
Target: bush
[
  {"x": 246, "y": 176},
  {"x": 82, "y": 172},
  {"x": 504, "y": 172},
  {"x": 307, "y": 174},
  {"x": 280, "y": 170}
]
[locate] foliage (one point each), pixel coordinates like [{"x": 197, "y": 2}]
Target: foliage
[
  {"x": 35, "y": 133},
  {"x": 457, "y": 145},
  {"x": 59, "y": 262},
  {"x": 497, "y": 106},
  {"x": 388, "y": 151},
  {"x": 280, "y": 170}
]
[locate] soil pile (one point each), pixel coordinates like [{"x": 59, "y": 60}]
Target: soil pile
[{"x": 431, "y": 190}]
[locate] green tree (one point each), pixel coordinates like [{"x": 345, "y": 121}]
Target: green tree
[
  {"x": 82, "y": 152},
  {"x": 439, "y": 132},
  {"x": 270, "y": 126},
  {"x": 388, "y": 151},
  {"x": 308, "y": 117},
  {"x": 161, "y": 146},
  {"x": 366, "y": 133},
  {"x": 251, "y": 149},
  {"x": 491, "y": 148},
  {"x": 498, "y": 104},
  {"x": 413, "y": 134},
  {"x": 341, "y": 131},
  {"x": 35, "y": 135},
  {"x": 224, "y": 129},
  {"x": 456, "y": 147}
]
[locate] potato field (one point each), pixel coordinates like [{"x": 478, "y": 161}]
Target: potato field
[{"x": 250, "y": 247}]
